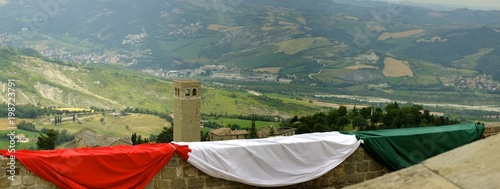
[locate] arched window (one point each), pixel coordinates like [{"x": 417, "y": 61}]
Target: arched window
[
  {"x": 188, "y": 92},
  {"x": 194, "y": 92}
]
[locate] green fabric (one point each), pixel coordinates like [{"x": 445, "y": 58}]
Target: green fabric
[{"x": 401, "y": 148}]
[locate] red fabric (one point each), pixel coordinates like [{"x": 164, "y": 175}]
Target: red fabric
[
  {"x": 182, "y": 150},
  {"x": 103, "y": 167}
]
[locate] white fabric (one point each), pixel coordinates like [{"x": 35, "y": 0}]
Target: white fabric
[{"x": 270, "y": 162}]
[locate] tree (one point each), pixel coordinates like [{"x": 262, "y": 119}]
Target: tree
[
  {"x": 294, "y": 119},
  {"x": 318, "y": 127},
  {"x": 153, "y": 137},
  {"x": 253, "y": 129},
  {"x": 359, "y": 122},
  {"x": 133, "y": 138},
  {"x": 102, "y": 120},
  {"x": 48, "y": 141},
  {"x": 166, "y": 135},
  {"x": 366, "y": 112},
  {"x": 271, "y": 131},
  {"x": 342, "y": 111},
  {"x": 342, "y": 122},
  {"x": 303, "y": 128},
  {"x": 139, "y": 140}
]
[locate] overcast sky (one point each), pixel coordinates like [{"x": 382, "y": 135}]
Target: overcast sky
[{"x": 487, "y": 4}]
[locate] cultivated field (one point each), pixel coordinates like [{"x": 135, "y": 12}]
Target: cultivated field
[
  {"x": 301, "y": 20},
  {"x": 387, "y": 35},
  {"x": 360, "y": 66},
  {"x": 268, "y": 69},
  {"x": 216, "y": 27},
  {"x": 74, "y": 109},
  {"x": 4, "y": 123},
  {"x": 267, "y": 28},
  {"x": 470, "y": 61},
  {"x": 396, "y": 68},
  {"x": 294, "y": 46}
]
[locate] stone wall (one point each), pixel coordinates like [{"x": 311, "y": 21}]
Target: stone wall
[{"x": 178, "y": 174}]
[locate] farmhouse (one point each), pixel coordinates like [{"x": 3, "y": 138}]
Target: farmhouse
[
  {"x": 22, "y": 138},
  {"x": 87, "y": 137},
  {"x": 226, "y": 134}
]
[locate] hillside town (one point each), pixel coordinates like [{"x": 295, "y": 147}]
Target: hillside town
[
  {"x": 482, "y": 82},
  {"x": 222, "y": 72}
]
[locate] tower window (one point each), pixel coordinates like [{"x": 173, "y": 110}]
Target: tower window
[
  {"x": 194, "y": 92},
  {"x": 187, "y": 92}
]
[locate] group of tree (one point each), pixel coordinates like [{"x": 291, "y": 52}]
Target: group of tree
[
  {"x": 53, "y": 137},
  {"x": 166, "y": 136},
  {"x": 268, "y": 118},
  {"x": 57, "y": 119},
  {"x": 47, "y": 141},
  {"x": 368, "y": 118},
  {"x": 162, "y": 115},
  {"x": 33, "y": 111},
  {"x": 48, "y": 136},
  {"x": 138, "y": 139}
]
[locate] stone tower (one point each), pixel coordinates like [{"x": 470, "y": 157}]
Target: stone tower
[{"x": 187, "y": 105}]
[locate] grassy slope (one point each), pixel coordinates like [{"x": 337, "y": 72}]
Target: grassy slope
[{"x": 114, "y": 126}]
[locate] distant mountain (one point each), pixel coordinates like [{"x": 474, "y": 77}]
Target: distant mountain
[{"x": 335, "y": 43}]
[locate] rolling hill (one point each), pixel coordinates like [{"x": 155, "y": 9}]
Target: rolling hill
[
  {"x": 321, "y": 46},
  {"x": 44, "y": 82}
]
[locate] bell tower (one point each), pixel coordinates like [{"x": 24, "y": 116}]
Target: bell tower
[{"x": 187, "y": 105}]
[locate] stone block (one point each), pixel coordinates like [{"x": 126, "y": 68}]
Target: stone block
[
  {"x": 43, "y": 182},
  {"x": 178, "y": 183},
  {"x": 28, "y": 180},
  {"x": 213, "y": 182},
  {"x": 355, "y": 178},
  {"x": 341, "y": 180},
  {"x": 17, "y": 182},
  {"x": 173, "y": 162},
  {"x": 324, "y": 182},
  {"x": 190, "y": 171},
  {"x": 184, "y": 163},
  {"x": 350, "y": 168},
  {"x": 163, "y": 184},
  {"x": 168, "y": 173},
  {"x": 357, "y": 156},
  {"x": 375, "y": 166},
  {"x": 339, "y": 170},
  {"x": 4, "y": 182},
  {"x": 362, "y": 167},
  {"x": 196, "y": 183},
  {"x": 42, "y": 187}
]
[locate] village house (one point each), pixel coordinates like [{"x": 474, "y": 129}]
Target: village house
[
  {"x": 87, "y": 137},
  {"x": 226, "y": 134}
]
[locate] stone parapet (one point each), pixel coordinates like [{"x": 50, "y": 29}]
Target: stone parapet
[
  {"x": 490, "y": 130},
  {"x": 178, "y": 173}
]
